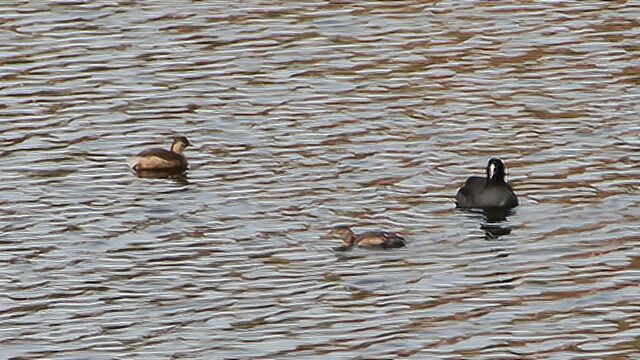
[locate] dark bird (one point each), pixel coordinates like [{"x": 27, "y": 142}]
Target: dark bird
[{"x": 487, "y": 193}]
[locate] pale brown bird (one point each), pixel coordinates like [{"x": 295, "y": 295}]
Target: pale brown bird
[
  {"x": 369, "y": 239},
  {"x": 158, "y": 159}
]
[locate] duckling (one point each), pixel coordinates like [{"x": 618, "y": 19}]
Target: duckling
[
  {"x": 487, "y": 193},
  {"x": 158, "y": 159},
  {"x": 370, "y": 239}
]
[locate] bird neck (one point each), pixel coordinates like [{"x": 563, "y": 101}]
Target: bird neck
[
  {"x": 349, "y": 239},
  {"x": 177, "y": 148},
  {"x": 496, "y": 180}
]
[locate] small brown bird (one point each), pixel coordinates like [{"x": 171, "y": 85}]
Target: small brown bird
[
  {"x": 369, "y": 239},
  {"x": 158, "y": 159}
]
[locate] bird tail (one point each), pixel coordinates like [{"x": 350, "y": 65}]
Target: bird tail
[{"x": 134, "y": 163}]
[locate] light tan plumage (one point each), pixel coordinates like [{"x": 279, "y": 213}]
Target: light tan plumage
[
  {"x": 161, "y": 159},
  {"x": 372, "y": 239}
]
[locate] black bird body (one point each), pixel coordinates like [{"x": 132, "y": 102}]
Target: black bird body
[{"x": 489, "y": 192}]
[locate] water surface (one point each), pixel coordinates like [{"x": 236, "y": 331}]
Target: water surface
[{"x": 304, "y": 115}]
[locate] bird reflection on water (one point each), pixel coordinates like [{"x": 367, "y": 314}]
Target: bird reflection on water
[{"x": 179, "y": 177}]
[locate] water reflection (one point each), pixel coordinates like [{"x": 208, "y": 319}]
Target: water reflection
[
  {"x": 497, "y": 215},
  {"x": 493, "y": 221},
  {"x": 495, "y": 231},
  {"x": 179, "y": 177}
]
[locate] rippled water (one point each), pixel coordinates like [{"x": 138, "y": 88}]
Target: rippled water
[{"x": 304, "y": 115}]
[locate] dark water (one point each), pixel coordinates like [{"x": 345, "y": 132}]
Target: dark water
[{"x": 304, "y": 115}]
